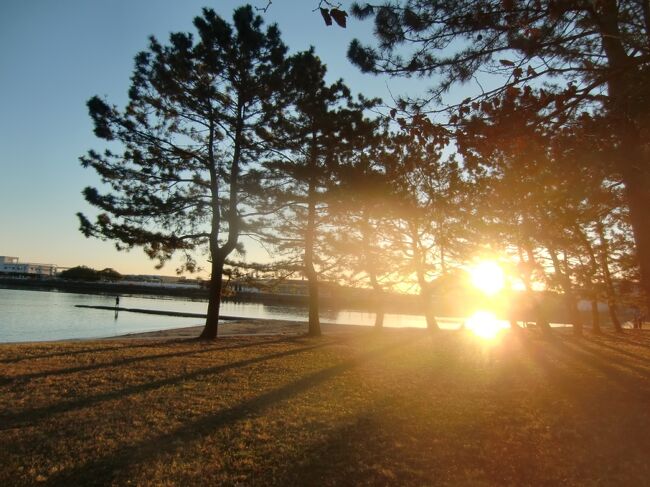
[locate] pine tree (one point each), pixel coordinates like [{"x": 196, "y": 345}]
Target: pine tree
[
  {"x": 177, "y": 180},
  {"x": 429, "y": 224},
  {"x": 323, "y": 124},
  {"x": 361, "y": 207}
]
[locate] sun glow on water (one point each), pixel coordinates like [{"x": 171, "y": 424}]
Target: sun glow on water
[
  {"x": 488, "y": 276},
  {"x": 484, "y": 325}
]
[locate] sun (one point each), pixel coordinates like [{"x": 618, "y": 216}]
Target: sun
[
  {"x": 484, "y": 325},
  {"x": 488, "y": 276}
]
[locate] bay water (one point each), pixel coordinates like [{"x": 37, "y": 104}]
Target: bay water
[{"x": 27, "y": 315}]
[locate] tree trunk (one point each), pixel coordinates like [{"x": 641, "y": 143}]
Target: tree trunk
[
  {"x": 569, "y": 298},
  {"x": 540, "y": 317},
  {"x": 217, "y": 253},
  {"x": 574, "y": 314},
  {"x": 425, "y": 287},
  {"x": 214, "y": 303},
  {"x": 379, "y": 316},
  {"x": 637, "y": 191},
  {"x": 627, "y": 114},
  {"x": 609, "y": 285},
  {"x": 592, "y": 281},
  {"x": 369, "y": 263},
  {"x": 613, "y": 316},
  {"x": 310, "y": 271},
  {"x": 429, "y": 315},
  {"x": 379, "y": 304},
  {"x": 595, "y": 316},
  {"x": 542, "y": 322},
  {"x": 314, "y": 320}
]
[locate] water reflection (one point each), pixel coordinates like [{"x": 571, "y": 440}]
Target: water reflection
[
  {"x": 485, "y": 324},
  {"x": 27, "y": 315}
]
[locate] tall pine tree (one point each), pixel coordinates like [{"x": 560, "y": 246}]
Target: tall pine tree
[
  {"x": 184, "y": 143},
  {"x": 323, "y": 125}
]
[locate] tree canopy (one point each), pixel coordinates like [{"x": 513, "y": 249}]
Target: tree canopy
[{"x": 583, "y": 57}]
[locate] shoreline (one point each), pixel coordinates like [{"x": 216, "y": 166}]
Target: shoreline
[
  {"x": 272, "y": 327},
  {"x": 242, "y": 327}
]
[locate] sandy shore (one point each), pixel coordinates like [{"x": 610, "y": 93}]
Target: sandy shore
[{"x": 244, "y": 327}]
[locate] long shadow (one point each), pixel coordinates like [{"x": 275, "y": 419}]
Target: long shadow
[
  {"x": 602, "y": 360},
  {"x": 108, "y": 467},
  {"x": 130, "y": 360},
  {"x": 124, "y": 346},
  {"x": 84, "y": 351},
  {"x": 616, "y": 376},
  {"x": 589, "y": 344},
  {"x": 9, "y": 421},
  {"x": 639, "y": 340}
]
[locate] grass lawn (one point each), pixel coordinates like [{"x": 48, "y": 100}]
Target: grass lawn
[{"x": 402, "y": 407}]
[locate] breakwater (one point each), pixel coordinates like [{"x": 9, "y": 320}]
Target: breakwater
[{"x": 179, "y": 314}]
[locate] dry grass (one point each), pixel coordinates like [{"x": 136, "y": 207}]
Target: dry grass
[{"x": 397, "y": 408}]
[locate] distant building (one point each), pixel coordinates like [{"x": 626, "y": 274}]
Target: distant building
[
  {"x": 11, "y": 266},
  {"x": 158, "y": 279}
]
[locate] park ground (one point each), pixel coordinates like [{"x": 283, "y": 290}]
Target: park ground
[{"x": 400, "y": 407}]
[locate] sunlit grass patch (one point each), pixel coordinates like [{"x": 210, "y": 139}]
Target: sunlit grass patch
[{"x": 399, "y": 408}]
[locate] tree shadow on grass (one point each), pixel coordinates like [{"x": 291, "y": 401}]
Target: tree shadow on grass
[
  {"x": 604, "y": 342},
  {"x": 30, "y": 416},
  {"x": 141, "y": 358},
  {"x": 606, "y": 363},
  {"x": 124, "y": 344},
  {"x": 567, "y": 352},
  {"x": 639, "y": 338},
  {"x": 611, "y": 354},
  {"x": 595, "y": 413},
  {"x": 107, "y": 468},
  {"x": 357, "y": 453},
  {"x": 82, "y": 351}
]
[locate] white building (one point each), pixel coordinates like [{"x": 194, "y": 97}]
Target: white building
[{"x": 11, "y": 265}]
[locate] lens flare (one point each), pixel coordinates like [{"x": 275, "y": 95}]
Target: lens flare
[
  {"x": 488, "y": 276},
  {"x": 484, "y": 325}
]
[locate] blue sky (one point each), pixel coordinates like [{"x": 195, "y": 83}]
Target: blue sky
[{"x": 54, "y": 56}]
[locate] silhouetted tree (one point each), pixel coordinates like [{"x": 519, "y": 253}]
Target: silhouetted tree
[
  {"x": 178, "y": 178},
  {"x": 361, "y": 207},
  {"x": 597, "y": 53},
  {"x": 323, "y": 124},
  {"x": 429, "y": 227},
  {"x": 528, "y": 194},
  {"x": 551, "y": 189}
]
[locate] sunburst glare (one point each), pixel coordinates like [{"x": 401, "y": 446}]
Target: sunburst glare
[
  {"x": 488, "y": 276},
  {"x": 484, "y": 325}
]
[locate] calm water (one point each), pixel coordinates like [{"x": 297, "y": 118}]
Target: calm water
[{"x": 47, "y": 315}]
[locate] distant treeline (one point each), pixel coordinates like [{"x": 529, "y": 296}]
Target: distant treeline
[{"x": 83, "y": 273}]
